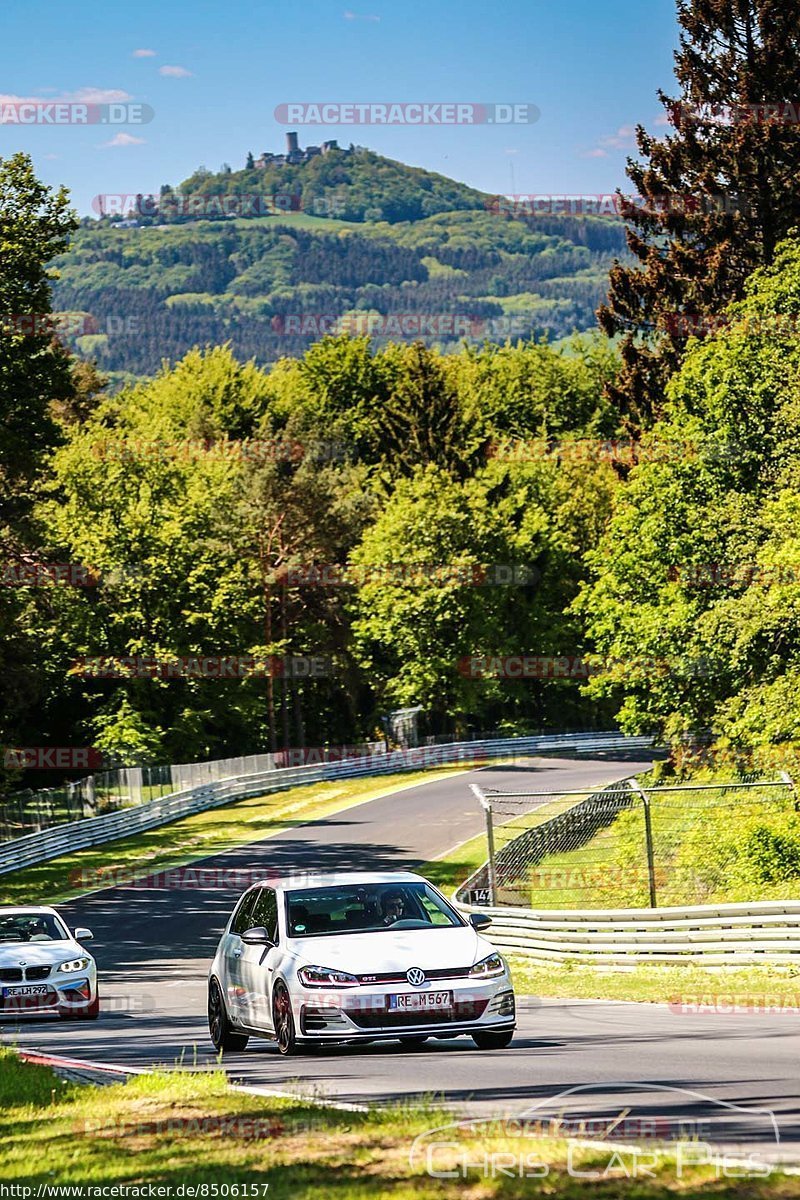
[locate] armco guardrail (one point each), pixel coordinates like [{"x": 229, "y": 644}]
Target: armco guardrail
[
  {"x": 725, "y": 935},
  {"x": 77, "y": 835}
]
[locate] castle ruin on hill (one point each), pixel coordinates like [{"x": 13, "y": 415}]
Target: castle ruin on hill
[{"x": 294, "y": 154}]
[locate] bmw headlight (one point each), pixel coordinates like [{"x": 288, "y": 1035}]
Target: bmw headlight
[
  {"x": 74, "y": 964},
  {"x": 488, "y": 967},
  {"x": 325, "y": 977}
]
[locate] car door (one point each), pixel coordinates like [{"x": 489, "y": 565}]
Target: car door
[
  {"x": 233, "y": 952},
  {"x": 258, "y": 962}
]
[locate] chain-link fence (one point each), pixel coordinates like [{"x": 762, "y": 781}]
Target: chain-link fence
[{"x": 630, "y": 847}]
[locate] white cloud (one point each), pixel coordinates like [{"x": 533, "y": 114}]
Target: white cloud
[
  {"x": 623, "y": 139},
  {"x": 84, "y": 95},
  {"x": 174, "y": 72},
  {"x": 349, "y": 15},
  {"x": 124, "y": 139},
  {"x": 144, "y": 54},
  {"x": 93, "y": 95}
]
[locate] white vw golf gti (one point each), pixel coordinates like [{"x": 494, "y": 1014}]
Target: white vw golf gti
[
  {"x": 44, "y": 969},
  {"x": 356, "y": 957}
]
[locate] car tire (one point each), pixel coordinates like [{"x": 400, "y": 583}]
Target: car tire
[
  {"x": 223, "y": 1036},
  {"x": 283, "y": 1020},
  {"x": 491, "y": 1040},
  {"x": 414, "y": 1043}
]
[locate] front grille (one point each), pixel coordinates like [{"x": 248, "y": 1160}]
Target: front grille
[
  {"x": 400, "y": 976},
  {"x": 11, "y": 975},
  {"x": 34, "y": 973},
  {"x": 467, "y": 1010}
]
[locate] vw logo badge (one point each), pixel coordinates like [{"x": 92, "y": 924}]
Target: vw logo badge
[{"x": 415, "y": 976}]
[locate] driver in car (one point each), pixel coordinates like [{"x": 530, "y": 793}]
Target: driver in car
[{"x": 394, "y": 908}]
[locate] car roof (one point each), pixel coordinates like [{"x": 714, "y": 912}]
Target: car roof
[
  {"x": 10, "y": 910},
  {"x": 302, "y": 880}
]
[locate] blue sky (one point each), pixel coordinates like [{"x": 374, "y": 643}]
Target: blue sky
[{"x": 215, "y": 72}]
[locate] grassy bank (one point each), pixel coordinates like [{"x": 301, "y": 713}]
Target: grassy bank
[
  {"x": 750, "y": 986},
  {"x": 196, "y": 837},
  {"x": 191, "y": 1129}
]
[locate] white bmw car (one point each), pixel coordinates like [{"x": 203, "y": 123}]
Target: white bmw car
[
  {"x": 44, "y": 968},
  {"x": 356, "y": 957}
]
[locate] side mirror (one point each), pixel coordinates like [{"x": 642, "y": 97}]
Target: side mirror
[
  {"x": 83, "y": 935},
  {"x": 479, "y": 921},
  {"x": 257, "y": 936}
]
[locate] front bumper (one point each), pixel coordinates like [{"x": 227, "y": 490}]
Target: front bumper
[
  {"x": 363, "y": 1013},
  {"x": 65, "y": 996}
]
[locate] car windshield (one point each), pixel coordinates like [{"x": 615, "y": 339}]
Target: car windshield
[
  {"x": 367, "y": 908},
  {"x": 30, "y": 927}
]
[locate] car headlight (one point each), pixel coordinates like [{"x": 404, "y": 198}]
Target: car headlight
[
  {"x": 487, "y": 967},
  {"x": 75, "y": 964},
  {"x": 325, "y": 977}
]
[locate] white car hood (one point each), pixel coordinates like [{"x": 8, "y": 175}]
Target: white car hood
[
  {"x": 38, "y": 954},
  {"x": 374, "y": 953}
]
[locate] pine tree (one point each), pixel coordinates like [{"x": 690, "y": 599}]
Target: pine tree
[
  {"x": 714, "y": 196},
  {"x": 250, "y": 163}
]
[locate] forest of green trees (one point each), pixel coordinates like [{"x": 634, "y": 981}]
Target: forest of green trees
[{"x": 628, "y": 505}]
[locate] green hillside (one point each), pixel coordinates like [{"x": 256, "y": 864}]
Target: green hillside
[{"x": 409, "y": 254}]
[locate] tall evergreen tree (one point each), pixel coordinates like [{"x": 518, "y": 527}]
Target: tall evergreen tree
[
  {"x": 715, "y": 195},
  {"x": 35, "y": 376}
]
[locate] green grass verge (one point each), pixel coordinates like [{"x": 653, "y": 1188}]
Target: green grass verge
[
  {"x": 196, "y": 837},
  {"x": 746, "y": 987},
  {"x": 180, "y": 1128}
]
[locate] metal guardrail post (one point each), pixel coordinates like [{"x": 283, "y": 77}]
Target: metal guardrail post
[{"x": 486, "y": 805}]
